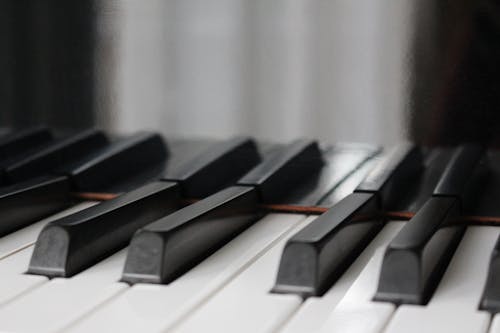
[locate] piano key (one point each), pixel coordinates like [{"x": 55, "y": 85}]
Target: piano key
[
  {"x": 20, "y": 141},
  {"x": 25, "y": 237},
  {"x": 396, "y": 168},
  {"x": 69, "y": 245},
  {"x": 490, "y": 300},
  {"x": 454, "y": 305},
  {"x": 356, "y": 312},
  {"x": 274, "y": 176},
  {"x": 155, "y": 308},
  {"x": 62, "y": 151},
  {"x": 418, "y": 256},
  {"x": 161, "y": 252},
  {"x": 55, "y": 304},
  {"x": 227, "y": 160},
  {"x": 314, "y": 258},
  {"x": 245, "y": 304},
  {"x": 315, "y": 310},
  {"x": 43, "y": 196},
  {"x": 14, "y": 283},
  {"x": 165, "y": 249},
  {"x": 117, "y": 162}
]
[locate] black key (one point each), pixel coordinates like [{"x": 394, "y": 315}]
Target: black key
[
  {"x": 71, "y": 244},
  {"x": 27, "y": 202},
  {"x": 417, "y": 257},
  {"x": 415, "y": 260},
  {"x": 315, "y": 257},
  {"x": 395, "y": 171},
  {"x": 83, "y": 239},
  {"x": 490, "y": 301},
  {"x": 169, "y": 247},
  {"x": 116, "y": 162},
  {"x": 226, "y": 161},
  {"x": 165, "y": 249},
  {"x": 19, "y": 142},
  {"x": 289, "y": 166},
  {"x": 55, "y": 155}
]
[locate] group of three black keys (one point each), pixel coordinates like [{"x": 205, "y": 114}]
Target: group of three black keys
[{"x": 231, "y": 179}]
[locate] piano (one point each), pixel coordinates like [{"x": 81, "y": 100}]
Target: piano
[{"x": 141, "y": 233}]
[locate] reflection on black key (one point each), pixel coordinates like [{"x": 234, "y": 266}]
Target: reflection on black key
[
  {"x": 64, "y": 151},
  {"x": 316, "y": 256},
  {"x": 21, "y": 141},
  {"x": 26, "y": 202},
  {"x": 417, "y": 257},
  {"x": 69, "y": 245},
  {"x": 490, "y": 301},
  {"x": 225, "y": 161},
  {"x": 169, "y": 247}
]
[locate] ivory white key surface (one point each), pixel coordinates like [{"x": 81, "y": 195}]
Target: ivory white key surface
[
  {"x": 25, "y": 237},
  {"x": 14, "y": 282},
  {"x": 154, "y": 308},
  {"x": 55, "y": 304},
  {"x": 246, "y": 304},
  {"x": 454, "y": 306},
  {"x": 315, "y": 310},
  {"x": 356, "y": 312},
  {"x": 495, "y": 324}
]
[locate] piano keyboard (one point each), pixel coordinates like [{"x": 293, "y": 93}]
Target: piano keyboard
[{"x": 142, "y": 234}]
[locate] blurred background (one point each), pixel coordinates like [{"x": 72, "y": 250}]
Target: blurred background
[{"x": 338, "y": 70}]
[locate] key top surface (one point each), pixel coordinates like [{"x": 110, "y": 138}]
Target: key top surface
[
  {"x": 167, "y": 248},
  {"x": 71, "y": 244},
  {"x": 227, "y": 160},
  {"x": 21, "y": 141}
]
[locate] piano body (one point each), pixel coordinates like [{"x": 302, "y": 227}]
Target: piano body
[{"x": 143, "y": 233}]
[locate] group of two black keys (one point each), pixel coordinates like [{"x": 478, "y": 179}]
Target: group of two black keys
[
  {"x": 166, "y": 239},
  {"x": 416, "y": 259}
]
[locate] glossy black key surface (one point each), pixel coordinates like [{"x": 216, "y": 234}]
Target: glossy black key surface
[
  {"x": 490, "y": 300},
  {"x": 417, "y": 257},
  {"x": 119, "y": 161},
  {"x": 167, "y": 248},
  {"x": 71, "y": 244},
  {"x": 219, "y": 166},
  {"x": 395, "y": 171},
  {"x": 21, "y": 141},
  {"x": 285, "y": 169},
  {"x": 317, "y": 255},
  {"x": 27, "y": 202},
  {"x": 53, "y": 156}
]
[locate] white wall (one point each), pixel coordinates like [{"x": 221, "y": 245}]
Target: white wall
[{"x": 274, "y": 69}]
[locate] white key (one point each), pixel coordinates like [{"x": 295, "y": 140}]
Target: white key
[
  {"x": 154, "y": 308},
  {"x": 25, "y": 237},
  {"x": 55, "y": 304},
  {"x": 495, "y": 325},
  {"x": 246, "y": 304},
  {"x": 454, "y": 306},
  {"x": 356, "y": 312},
  {"x": 14, "y": 282},
  {"x": 314, "y": 312}
]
